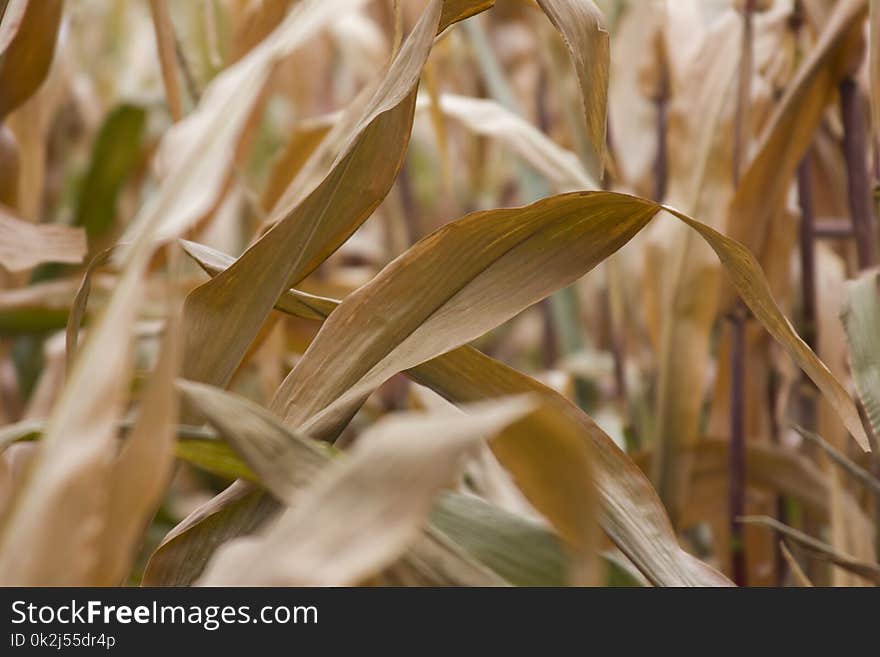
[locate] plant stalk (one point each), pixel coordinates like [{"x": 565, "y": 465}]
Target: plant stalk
[
  {"x": 738, "y": 319},
  {"x": 737, "y": 459},
  {"x": 661, "y": 159},
  {"x": 858, "y": 184}
]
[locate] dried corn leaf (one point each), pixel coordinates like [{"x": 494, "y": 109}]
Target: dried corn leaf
[
  {"x": 183, "y": 553},
  {"x": 78, "y": 307},
  {"x": 488, "y": 118},
  {"x": 286, "y": 464},
  {"x": 356, "y": 184},
  {"x": 198, "y": 151},
  {"x": 10, "y": 168},
  {"x": 689, "y": 273},
  {"x": 760, "y": 196},
  {"x": 165, "y": 47},
  {"x": 582, "y": 28},
  {"x": 141, "y": 472},
  {"x": 492, "y": 264},
  {"x": 521, "y": 551},
  {"x": 54, "y": 533},
  {"x": 325, "y": 408},
  {"x": 24, "y": 245},
  {"x": 861, "y": 319},
  {"x": 28, "y": 32},
  {"x": 353, "y": 521},
  {"x": 489, "y": 264},
  {"x": 745, "y": 273},
  {"x": 632, "y": 514}
]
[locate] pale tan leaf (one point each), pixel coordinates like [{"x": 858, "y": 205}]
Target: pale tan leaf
[
  {"x": 353, "y": 521},
  {"x": 486, "y": 117},
  {"x": 861, "y": 319},
  {"x": 54, "y": 531},
  {"x": 142, "y": 470},
  {"x": 197, "y": 152},
  {"x": 688, "y": 273},
  {"x": 24, "y": 245},
  {"x": 286, "y": 463},
  {"x": 165, "y": 46},
  {"x": 582, "y": 28}
]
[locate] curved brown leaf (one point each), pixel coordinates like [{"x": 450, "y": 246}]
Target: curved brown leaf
[{"x": 27, "y": 44}]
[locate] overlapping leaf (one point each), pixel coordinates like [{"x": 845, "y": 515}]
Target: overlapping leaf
[
  {"x": 198, "y": 152},
  {"x": 217, "y": 331},
  {"x": 760, "y": 196},
  {"x": 352, "y": 521}
]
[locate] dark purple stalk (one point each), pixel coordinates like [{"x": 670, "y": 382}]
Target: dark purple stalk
[
  {"x": 737, "y": 454},
  {"x": 858, "y": 184},
  {"x": 832, "y": 230},
  {"x": 809, "y": 323},
  {"x": 808, "y": 234},
  {"x": 549, "y": 334}
]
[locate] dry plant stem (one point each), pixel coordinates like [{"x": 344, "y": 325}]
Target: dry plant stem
[
  {"x": 211, "y": 35},
  {"x": 808, "y": 252},
  {"x": 797, "y": 572},
  {"x": 842, "y": 460},
  {"x": 743, "y": 90},
  {"x": 832, "y": 230},
  {"x": 809, "y": 325},
  {"x": 192, "y": 86},
  {"x": 549, "y": 334},
  {"x": 661, "y": 160},
  {"x": 822, "y": 550},
  {"x": 858, "y": 185},
  {"x": 166, "y": 45},
  {"x": 397, "y": 13},
  {"x": 737, "y": 458}
]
